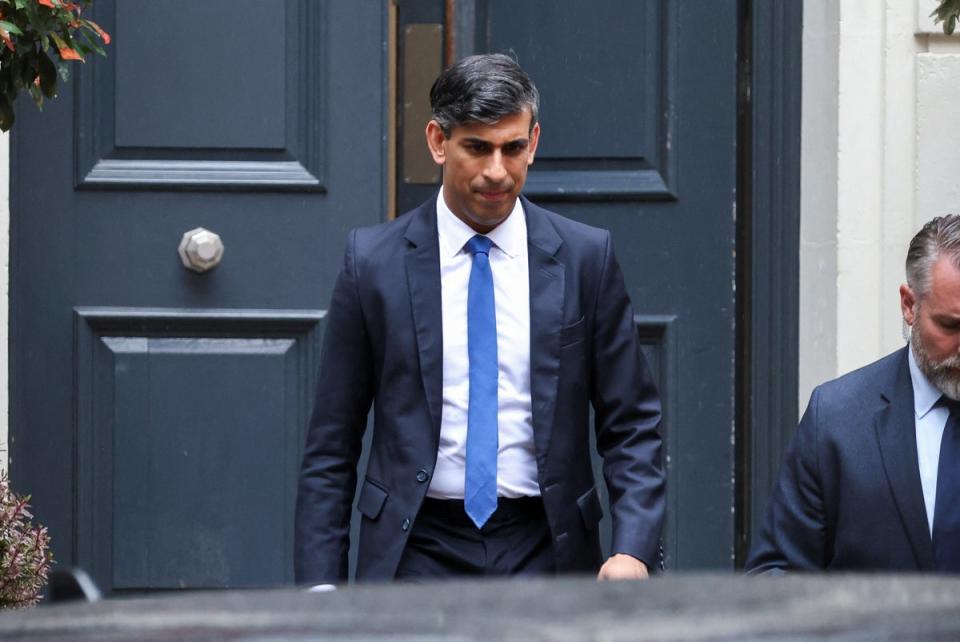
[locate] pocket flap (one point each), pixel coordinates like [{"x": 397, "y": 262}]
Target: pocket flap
[
  {"x": 371, "y": 499},
  {"x": 572, "y": 333},
  {"x": 590, "y": 509}
]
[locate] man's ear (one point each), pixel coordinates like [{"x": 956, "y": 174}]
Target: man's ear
[
  {"x": 435, "y": 141},
  {"x": 908, "y": 302},
  {"x": 534, "y": 139}
]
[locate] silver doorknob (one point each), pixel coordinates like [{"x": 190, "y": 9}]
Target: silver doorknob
[{"x": 200, "y": 250}]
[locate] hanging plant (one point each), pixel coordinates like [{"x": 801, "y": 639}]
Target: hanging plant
[
  {"x": 37, "y": 39},
  {"x": 948, "y": 12},
  {"x": 25, "y": 557}
]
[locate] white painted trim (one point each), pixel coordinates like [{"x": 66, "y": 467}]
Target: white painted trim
[{"x": 818, "y": 196}]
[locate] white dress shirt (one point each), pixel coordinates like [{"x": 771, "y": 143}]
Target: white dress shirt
[
  {"x": 931, "y": 419},
  {"x": 516, "y": 460}
]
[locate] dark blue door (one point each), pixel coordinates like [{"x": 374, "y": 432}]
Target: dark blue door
[{"x": 157, "y": 413}]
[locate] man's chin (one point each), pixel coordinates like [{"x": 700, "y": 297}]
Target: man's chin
[
  {"x": 488, "y": 218},
  {"x": 947, "y": 381},
  {"x": 944, "y": 375}
]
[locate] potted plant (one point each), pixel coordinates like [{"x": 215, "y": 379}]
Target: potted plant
[
  {"x": 25, "y": 558},
  {"x": 37, "y": 40}
]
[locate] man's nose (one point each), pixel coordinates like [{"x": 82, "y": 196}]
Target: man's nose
[{"x": 495, "y": 170}]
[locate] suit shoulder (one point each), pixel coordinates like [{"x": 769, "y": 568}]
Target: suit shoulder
[
  {"x": 862, "y": 386},
  {"x": 373, "y": 234},
  {"x": 383, "y": 237}
]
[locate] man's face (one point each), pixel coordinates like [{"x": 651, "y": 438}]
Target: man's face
[
  {"x": 484, "y": 166},
  {"x": 935, "y": 322}
]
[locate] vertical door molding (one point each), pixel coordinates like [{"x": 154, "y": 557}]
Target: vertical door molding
[{"x": 768, "y": 252}]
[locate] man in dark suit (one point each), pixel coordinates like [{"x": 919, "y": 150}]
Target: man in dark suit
[
  {"x": 871, "y": 481},
  {"x": 481, "y": 327}
]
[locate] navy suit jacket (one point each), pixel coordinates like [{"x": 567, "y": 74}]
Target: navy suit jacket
[
  {"x": 849, "y": 495},
  {"x": 383, "y": 345}
]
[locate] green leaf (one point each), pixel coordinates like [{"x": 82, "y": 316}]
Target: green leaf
[
  {"x": 48, "y": 75},
  {"x": 949, "y": 25},
  {"x": 6, "y": 114},
  {"x": 28, "y": 72},
  {"x": 92, "y": 43},
  {"x": 12, "y": 28}
]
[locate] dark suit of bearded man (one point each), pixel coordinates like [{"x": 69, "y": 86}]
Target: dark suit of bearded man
[
  {"x": 871, "y": 481},
  {"x": 384, "y": 345}
]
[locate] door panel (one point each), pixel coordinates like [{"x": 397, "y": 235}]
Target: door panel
[
  {"x": 207, "y": 113},
  {"x": 158, "y": 414}
]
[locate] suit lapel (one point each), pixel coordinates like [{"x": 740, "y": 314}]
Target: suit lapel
[
  {"x": 546, "y": 320},
  {"x": 423, "y": 281},
  {"x": 896, "y": 433}
]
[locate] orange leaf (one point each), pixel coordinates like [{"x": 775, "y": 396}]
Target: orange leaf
[
  {"x": 48, "y": 3},
  {"x": 66, "y": 53},
  {"x": 100, "y": 32}
]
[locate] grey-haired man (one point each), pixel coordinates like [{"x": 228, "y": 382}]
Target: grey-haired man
[{"x": 871, "y": 481}]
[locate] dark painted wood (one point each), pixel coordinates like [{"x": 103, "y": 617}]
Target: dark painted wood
[
  {"x": 157, "y": 415},
  {"x": 226, "y": 107},
  {"x": 191, "y": 422},
  {"x": 164, "y": 101},
  {"x": 768, "y": 269}
]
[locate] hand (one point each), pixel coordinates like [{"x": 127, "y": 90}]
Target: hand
[{"x": 623, "y": 567}]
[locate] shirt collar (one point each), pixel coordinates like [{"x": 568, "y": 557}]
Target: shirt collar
[
  {"x": 925, "y": 394},
  {"x": 510, "y": 236}
]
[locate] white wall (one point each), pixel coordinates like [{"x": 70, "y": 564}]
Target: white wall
[{"x": 879, "y": 158}]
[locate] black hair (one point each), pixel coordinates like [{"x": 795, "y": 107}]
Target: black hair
[{"x": 482, "y": 89}]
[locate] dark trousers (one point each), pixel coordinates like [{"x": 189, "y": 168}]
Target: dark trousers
[{"x": 445, "y": 543}]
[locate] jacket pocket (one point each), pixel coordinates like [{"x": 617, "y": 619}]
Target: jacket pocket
[
  {"x": 590, "y": 509},
  {"x": 371, "y": 499},
  {"x": 572, "y": 333}
]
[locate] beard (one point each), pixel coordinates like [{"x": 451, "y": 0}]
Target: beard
[{"x": 942, "y": 374}]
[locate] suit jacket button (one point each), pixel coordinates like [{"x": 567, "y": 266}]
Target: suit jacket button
[
  {"x": 422, "y": 476},
  {"x": 406, "y": 524}
]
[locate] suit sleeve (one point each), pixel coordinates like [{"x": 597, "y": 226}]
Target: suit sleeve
[
  {"x": 627, "y": 420},
  {"x": 793, "y": 536},
  {"x": 328, "y": 473}
]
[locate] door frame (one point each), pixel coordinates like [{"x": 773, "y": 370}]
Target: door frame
[{"x": 768, "y": 253}]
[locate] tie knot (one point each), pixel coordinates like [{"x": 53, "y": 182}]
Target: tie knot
[{"x": 479, "y": 244}]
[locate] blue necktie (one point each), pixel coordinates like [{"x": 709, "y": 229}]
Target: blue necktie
[
  {"x": 946, "y": 512},
  {"x": 480, "y": 482}
]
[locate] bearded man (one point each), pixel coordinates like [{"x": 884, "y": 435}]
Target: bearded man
[{"x": 871, "y": 481}]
